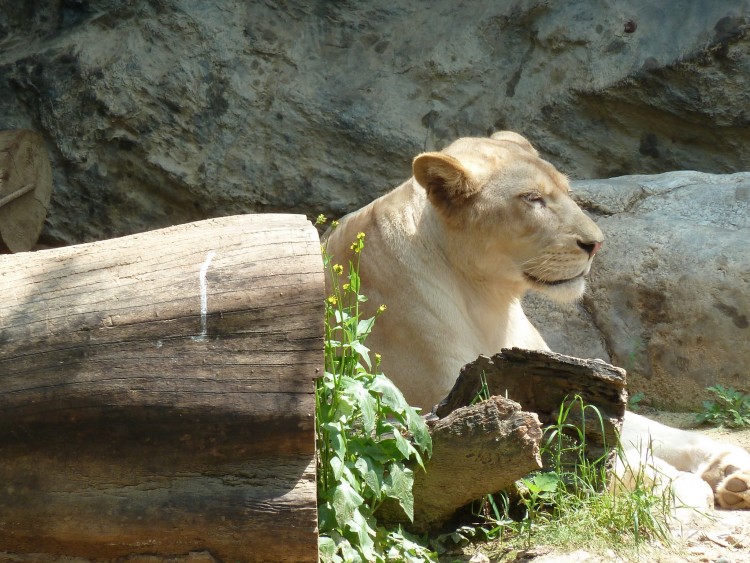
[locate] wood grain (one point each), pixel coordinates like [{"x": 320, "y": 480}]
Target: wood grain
[{"x": 156, "y": 393}]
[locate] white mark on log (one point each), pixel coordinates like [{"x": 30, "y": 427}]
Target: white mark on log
[{"x": 204, "y": 297}]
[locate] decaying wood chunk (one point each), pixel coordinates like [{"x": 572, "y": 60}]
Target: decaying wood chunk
[
  {"x": 477, "y": 449},
  {"x": 484, "y": 447},
  {"x": 541, "y": 382}
]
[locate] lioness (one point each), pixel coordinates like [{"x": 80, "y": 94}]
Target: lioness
[{"x": 452, "y": 251}]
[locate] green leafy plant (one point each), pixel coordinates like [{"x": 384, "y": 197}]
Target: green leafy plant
[
  {"x": 634, "y": 401},
  {"x": 368, "y": 436},
  {"x": 538, "y": 493},
  {"x": 730, "y": 408}
]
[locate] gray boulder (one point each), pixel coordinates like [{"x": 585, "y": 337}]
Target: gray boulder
[
  {"x": 159, "y": 112},
  {"x": 669, "y": 295}
]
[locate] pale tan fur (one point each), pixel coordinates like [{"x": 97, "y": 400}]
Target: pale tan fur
[{"x": 452, "y": 251}]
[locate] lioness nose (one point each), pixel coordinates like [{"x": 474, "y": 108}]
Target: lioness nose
[{"x": 590, "y": 247}]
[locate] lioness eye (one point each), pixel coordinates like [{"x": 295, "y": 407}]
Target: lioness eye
[{"x": 534, "y": 197}]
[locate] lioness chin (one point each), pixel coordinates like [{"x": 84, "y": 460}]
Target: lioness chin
[{"x": 452, "y": 251}]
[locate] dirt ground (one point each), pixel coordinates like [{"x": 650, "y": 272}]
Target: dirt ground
[{"x": 722, "y": 536}]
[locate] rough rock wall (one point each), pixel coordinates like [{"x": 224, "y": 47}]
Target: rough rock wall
[
  {"x": 166, "y": 111},
  {"x": 669, "y": 293}
]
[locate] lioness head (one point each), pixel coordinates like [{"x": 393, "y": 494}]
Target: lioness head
[{"x": 510, "y": 217}]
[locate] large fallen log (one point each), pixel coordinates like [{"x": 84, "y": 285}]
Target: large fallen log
[
  {"x": 157, "y": 396},
  {"x": 25, "y": 189}
]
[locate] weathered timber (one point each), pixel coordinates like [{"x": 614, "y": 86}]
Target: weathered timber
[
  {"x": 477, "y": 449},
  {"x": 541, "y": 382},
  {"x": 157, "y": 395},
  {"x": 25, "y": 189}
]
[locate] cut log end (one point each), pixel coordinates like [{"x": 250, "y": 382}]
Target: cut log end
[{"x": 25, "y": 189}]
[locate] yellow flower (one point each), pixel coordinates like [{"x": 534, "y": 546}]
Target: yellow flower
[
  {"x": 345, "y": 287},
  {"x": 359, "y": 243},
  {"x": 320, "y": 219},
  {"x": 382, "y": 308},
  {"x": 332, "y": 300},
  {"x": 338, "y": 269},
  {"x": 378, "y": 358},
  {"x": 334, "y": 224}
]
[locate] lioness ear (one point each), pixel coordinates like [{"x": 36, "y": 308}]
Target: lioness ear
[
  {"x": 513, "y": 137},
  {"x": 444, "y": 178}
]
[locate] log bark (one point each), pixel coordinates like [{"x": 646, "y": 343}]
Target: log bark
[
  {"x": 157, "y": 395},
  {"x": 476, "y": 449},
  {"x": 541, "y": 382},
  {"x": 25, "y": 189}
]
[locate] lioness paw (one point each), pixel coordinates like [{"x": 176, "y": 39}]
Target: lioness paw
[
  {"x": 728, "y": 473},
  {"x": 733, "y": 492}
]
